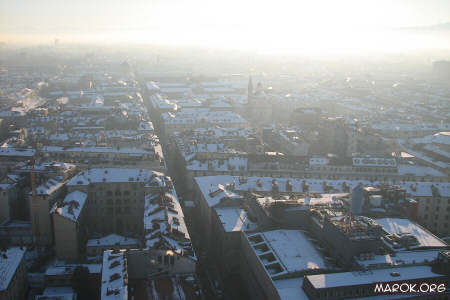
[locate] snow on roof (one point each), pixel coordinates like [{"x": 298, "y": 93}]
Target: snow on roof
[
  {"x": 290, "y": 289},
  {"x": 5, "y": 186},
  {"x": 164, "y": 222},
  {"x": 291, "y": 251},
  {"x": 14, "y": 177},
  {"x": 169, "y": 90},
  {"x": 399, "y": 226},
  {"x": 57, "y": 293},
  {"x": 422, "y": 156},
  {"x": 112, "y": 240},
  {"x": 400, "y": 258},
  {"x": 419, "y": 170},
  {"x": 331, "y": 280},
  {"x": 208, "y": 184},
  {"x": 201, "y": 115},
  {"x": 71, "y": 206},
  {"x": 231, "y": 163},
  {"x": 64, "y": 269},
  {"x": 97, "y": 150},
  {"x": 43, "y": 166},
  {"x": 234, "y": 219},
  {"x": 97, "y": 175},
  {"x": 114, "y": 276},
  {"x": 213, "y": 194},
  {"x": 437, "y": 138},
  {"x": 9, "y": 262},
  {"x": 49, "y": 186},
  {"x": 312, "y": 200},
  {"x": 12, "y": 151}
]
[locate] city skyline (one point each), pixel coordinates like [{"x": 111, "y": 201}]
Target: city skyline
[{"x": 312, "y": 27}]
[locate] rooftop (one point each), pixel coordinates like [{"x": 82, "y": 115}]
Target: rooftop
[
  {"x": 399, "y": 258},
  {"x": 114, "y": 276},
  {"x": 405, "y": 226},
  {"x": 369, "y": 277},
  {"x": 9, "y": 262},
  {"x": 264, "y": 184},
  {"x": 71, "y": 206},
  {"x": 290, "y": 289},
  {"x": 98, "y": 175},
  {"x": 285, "y": 251},
  {"x": 112, "y": 240},
  {"x": 234, "y": 219},
  {"x": 164, "y": 223}
]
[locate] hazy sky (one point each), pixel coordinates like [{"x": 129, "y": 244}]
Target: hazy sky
[{"x": 213, "y": 22}]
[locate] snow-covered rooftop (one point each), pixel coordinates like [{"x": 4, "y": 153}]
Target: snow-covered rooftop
[
  {"x": 71, "y": 206},
  {"x": 290, "y": 289},
  {"x": 234, "y": 219},
  {"x": 208, "y": 184},
  {"x": 58, "y": 293},
  {"x": 438, "y": 138},
  {"x": 114, "y": 276},
  {"x": 400, "y": 258},
  {"x": 164, "y": 222},
  {"x": 60, "y": 268},
  {"x": 12, "y": 151},
  {"x": 97, "y": 175},
  {"x": 9, "y": 262},
  {"x": 115, "y": 150},
  {"x": 418, "y": 170},
  {"x": 50, "y": 186},
  {"x": 331, "y": 280},
  {"x": 401, "y": 226},
  {"x": 112, "y": 240},
  {"x": 188, "y": 116},
  {"x": 285, "y": 251}
]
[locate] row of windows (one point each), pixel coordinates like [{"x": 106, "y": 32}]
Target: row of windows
[
  {"x": 110, "y": 227},
  {"x": 438, "y": 200},
  {"x": 117, "y": 201},
  {"x": 436, "y": 217}
]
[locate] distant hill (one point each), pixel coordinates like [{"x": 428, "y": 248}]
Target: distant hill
[{"x": 436, "y": 27}]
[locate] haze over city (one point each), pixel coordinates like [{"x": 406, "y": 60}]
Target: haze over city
[
  {"x": 224, "y": 150},
  {"x": 313, "y": 27}
]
